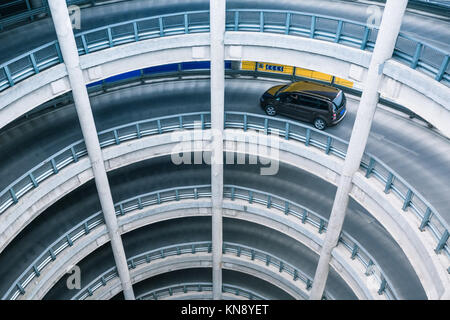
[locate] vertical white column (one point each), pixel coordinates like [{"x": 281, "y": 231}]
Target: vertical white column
[
  {"x": 69, "y": 52},
  {"x": 384, "y": 47},
  {"x": 217, "y": 33}
]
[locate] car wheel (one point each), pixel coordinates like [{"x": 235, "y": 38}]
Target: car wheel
[
  {"x": 270, "y": 110},
  {"x": 320, "y": 124}
]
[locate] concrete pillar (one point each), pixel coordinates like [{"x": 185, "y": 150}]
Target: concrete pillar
[
  {"x": 69, "y": 52},
  {"x": 217, "y": 23},
  {"x": 384, "y": 46}
]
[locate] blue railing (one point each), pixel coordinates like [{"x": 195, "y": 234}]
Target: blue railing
[
  {"x": 233, "y": 249},
  {"x": 307, "y": 216},
  {"x": 29, "y": 12},
  {"x": 426, "y": 215},
  {"x": 415, "y": 53},
  {"x": 87, "y": 225},
  {"x": 198, "y": 287},
  {"x": 428, "y": 218},
  {"x": 232, "y": 192},
  {"x": 200, "y": 69},
  {"x": 440, "y": 3}
]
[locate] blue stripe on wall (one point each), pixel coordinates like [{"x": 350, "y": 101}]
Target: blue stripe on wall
[{"x": 173, "y": 67}]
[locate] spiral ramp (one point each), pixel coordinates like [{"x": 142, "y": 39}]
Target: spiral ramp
[{"x": 146, "y": 65}]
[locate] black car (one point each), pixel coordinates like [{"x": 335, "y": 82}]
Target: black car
[{"x": 319, "y": 104}]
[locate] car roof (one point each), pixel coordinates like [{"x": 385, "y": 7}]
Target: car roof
[{"x": 325, "y": 91}]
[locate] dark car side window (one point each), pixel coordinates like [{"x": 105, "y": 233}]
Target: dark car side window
[
  {"x": 312, "y": 102},
  {"x": 307, "y": 101},
  {"x": 323, "y": 105},
  {"x": 293, "y": 98},
  {"x": 288, "y": 98}
]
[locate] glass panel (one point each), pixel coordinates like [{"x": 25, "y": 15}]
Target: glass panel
[
  {"x": 23, "y": 64},
  {"x": 45, "y": 55},
  {"x": 372, "y": 36},
  {"x": 301, "y": 21},
  {"x": 173, "y": 22},
  {"x": 249, "y": 18},
  {"x": 405, "y": 46},
  {"x": 432, "y": 57},
  {"x": 97, "y": 36},
  {"x": 326, "y": 25},
  {"x": 197, "y": 19},
  {"x": 352, "y": 33},
  {"x": 275, "y": 19},
  {"x": 2, "y": 75},
  {"x": 230, "y": 18},
  {"x": 148, "y": 25},
  {"x": 122, "y": 30}
]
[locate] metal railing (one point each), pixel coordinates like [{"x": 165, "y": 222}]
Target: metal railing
[
  {"x": 307, "y": 216},
  {"x": 424, "y": 5},
  {"x": 86, "y": 226},
  {"x": 48, "y": 55},
  {"x": 200, "y": 70},
  {"x": 74, "y": 152},
  {"x": 439, "y": 3},
  {"x": 417, "y": 54},
  {"x": 30, "y": 13},
  {"x": 233, "y": 249},
  {"x": 427, "y": 217},
  {"x": 199, "y": 287},
  {"x": 232, "y": 192}
]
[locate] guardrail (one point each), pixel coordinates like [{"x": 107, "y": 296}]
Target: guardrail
[
  {"x": 197, "y": 247},
  {"x": 178, "y": 71},
  {"x": 425, "y": 5},
  {"x": 77, "y": 150},
  {"x": 439, "y": 3},
  {"x": 30, "y": 12},
  {"x": 199, "y": 287},
  {"x": 307, "y": 216},
  {"x": 86, "y": 226},
  {"x": 232, "y": 192},
  {"x": 428, "y": 217},
  {"x": 415, "y": 53}
]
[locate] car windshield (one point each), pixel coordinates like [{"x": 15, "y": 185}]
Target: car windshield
[
  {"x": 338, "y": 100},
  {"x": 281, "y": 89}
]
